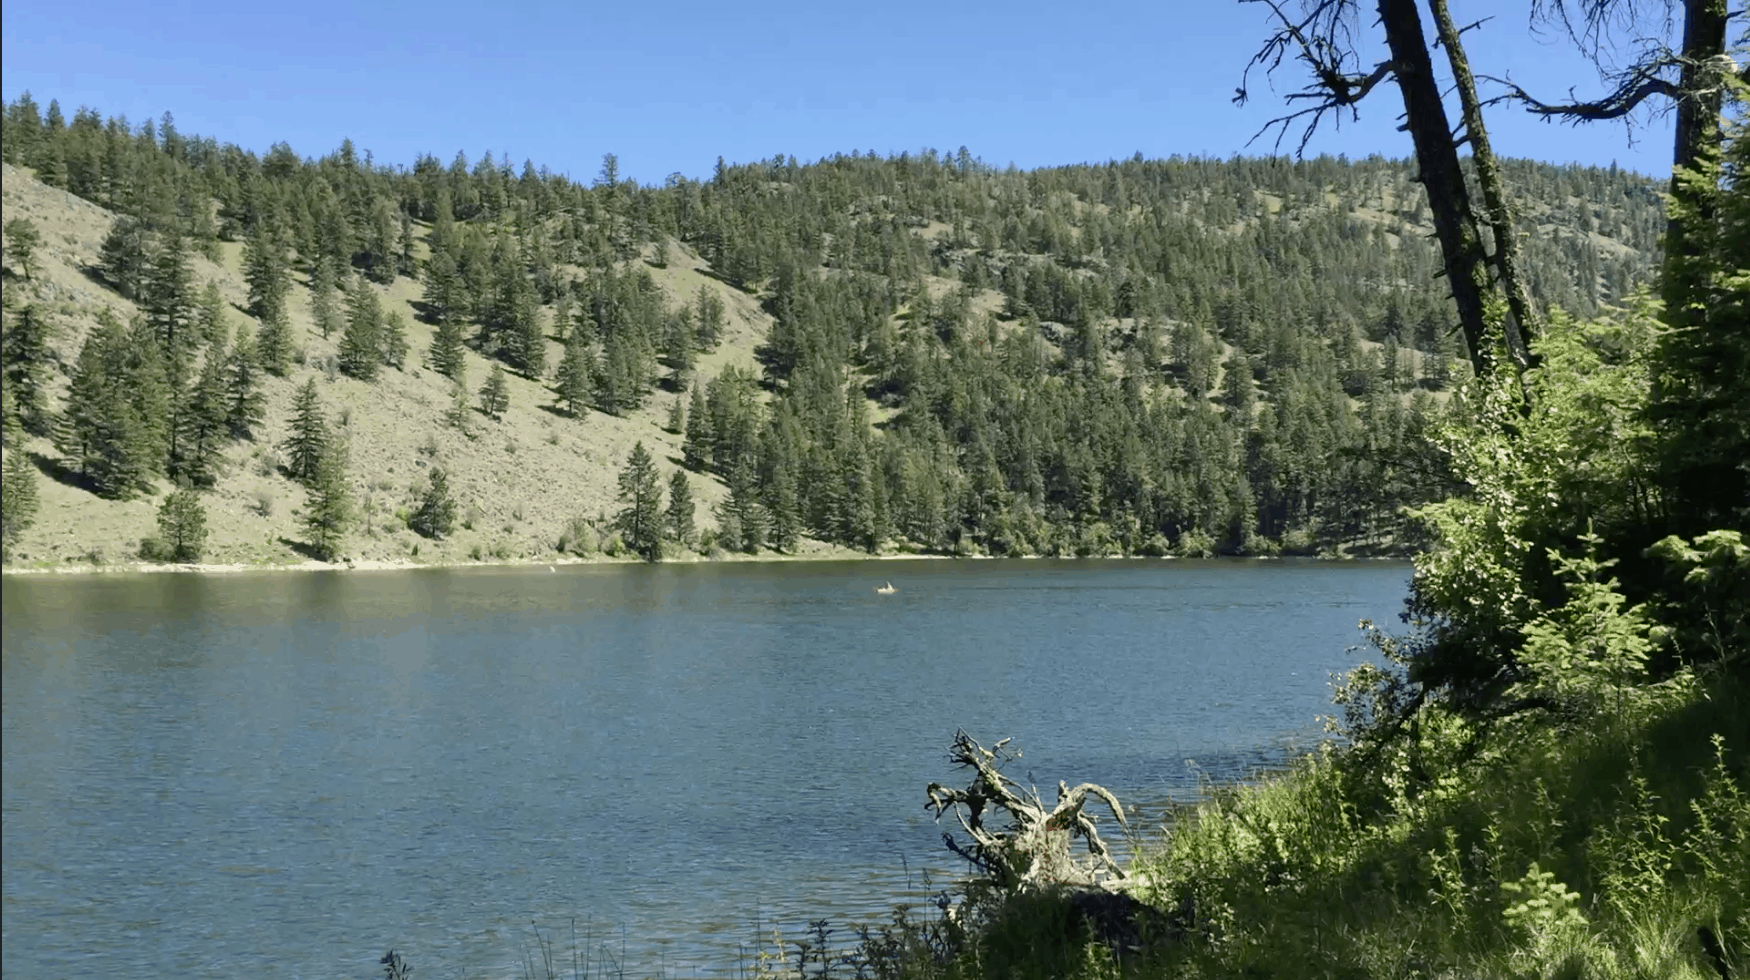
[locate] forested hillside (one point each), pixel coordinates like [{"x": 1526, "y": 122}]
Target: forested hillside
[{"x": 905, "y": 353}]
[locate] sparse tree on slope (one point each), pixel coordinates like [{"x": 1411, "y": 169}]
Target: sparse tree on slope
[
  {"x": 641, "y": 520},
  {"x": 436, "y": 515},
  {"x": 18, "y": 499},
  {"x": 329, "y": 512},
  {"x": 182, "y": 525},
  {"x": 495, "y": 393},
  {"x": 309, "y": 440},
  {"x": 679, "y": 517}
]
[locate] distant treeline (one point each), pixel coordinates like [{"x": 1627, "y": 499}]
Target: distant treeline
[{"x": 1193, "y": 354}]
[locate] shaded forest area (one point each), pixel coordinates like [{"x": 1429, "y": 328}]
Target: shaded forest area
[{"x": 1186, "y": 356}]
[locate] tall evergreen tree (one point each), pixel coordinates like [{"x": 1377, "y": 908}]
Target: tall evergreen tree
[
  {"x": 211, "y": 321},
  {"x": 696, "y": 448},
  {"x": 309, "y": 439},
  {"x": 322, "y": 296},
  {"x": 18, "y": 500},
  {"x": 395, "y": 339},
  {"x": 361, "y": 346},
  {"x": 125, "y": 256},
  {"x": 105, "y": 432},
  {"x": 245, "y": 405},
  {"x": 25, "y": 359},
  {"x": 640, "y": 521},
  {"x": 572, "y": 383},
  {"x": 268, "y": 272},
  {"x": 328, "y": 513},
  {"x": 204, "y": 424},
  {"x": 678, "y": 519}
]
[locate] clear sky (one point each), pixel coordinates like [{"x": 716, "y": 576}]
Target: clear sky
[{"x": 669, "y": 87}]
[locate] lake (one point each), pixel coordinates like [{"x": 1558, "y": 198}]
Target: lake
[{"x": 287, "y": 774}]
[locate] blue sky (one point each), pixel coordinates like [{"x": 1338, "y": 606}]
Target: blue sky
[{"x": 670, "y": 87}]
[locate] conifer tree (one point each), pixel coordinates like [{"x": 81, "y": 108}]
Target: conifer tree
[
  {"x": 495, "y": 393},
  {"x": 696, "y": 448},
  {"x": 103, "y": 432},
  {"x": 182, "y": 525},
  {"x": 361, "y": 346},
  {"x": 572, "y": 383},
  {"x": 677, "y": 415},
  {"x": 741, "y": 519},
  {"x": 436, "y": 515},
  {"x": 679, "y": 516},
  {"x": 204, "y": 423},
  {"x": 641, "y": 520},
  {"x": 309, "y": 439},
  {"x": 168, "y": 297},
  {"x": 395, "y": 339},
  {"x": 446, "y": 352},
  {"x": 22, "y": 242},
  {"x": 18, "y": 500},
  {"x": 211, "y": 320},
  {"x": 124, "y": 256},
  {"x": 328, "y": 512},
  {"x": 245, "y": 405},
  {"x": 782, "y": 504},
  {"x": 322, "y": 296},
  {"x": 268, "y": 273},
  {"x": 273, "y": 344},
  {"x": 24, "y": 365}
]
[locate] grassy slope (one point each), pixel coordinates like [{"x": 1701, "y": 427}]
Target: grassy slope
[{"x": 528, "y": 475}]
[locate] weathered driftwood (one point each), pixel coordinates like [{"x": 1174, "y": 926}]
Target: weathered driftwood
[{"x": 1034, "y": 850}]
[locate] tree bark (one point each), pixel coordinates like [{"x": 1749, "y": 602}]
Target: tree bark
[
  {"x": 1522, "y": 331},
  {"x": 1437, "y": 156},
  {"x": 1698, "y": 132}
]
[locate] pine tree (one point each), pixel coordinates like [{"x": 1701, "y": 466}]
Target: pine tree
[
  {"x": 204, "y": 423},
  {"x": 436, "y": 515},
  {"x": 322, "y": 296},
  {"x": 25, "y": 357},
  {"x": 18, "y": 500},
  {"x": 245, "y": 405},
  {"x": 446, "y": 353},
  {"x": 22, "y": 241},
  {"x": 103, "y": 432},
  {"x": 740, "y": 517},
  {"x": 268, "y": 273},
  {"x": 361, "y": 346},
  {"x": 782, "y": 504},
  {"x": 696, "y": 448},
  {"x": 124, "y": 256},
  {"x": 640, "y": 490},
  {"x": 168, "y": 296},
  {"x": 495, "y": 393},
  {"x": 211, "y": 321},
  {"x": 309, "y": 439},
  {"x": 572, "y": 384},
  {"x": 679, "y": 516},
  {"x": 273, "y": 344},
  {"x": 395, "y": 339},
  {"x": 182, "y": 525},
  {"x": 677, "y": 415},
  {"x": 328, "y": 512}
]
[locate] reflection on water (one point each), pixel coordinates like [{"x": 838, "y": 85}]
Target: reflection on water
[{"x": 303, "y": 770}]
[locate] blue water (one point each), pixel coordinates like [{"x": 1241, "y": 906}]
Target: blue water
[{"x": 290, "y": 773}]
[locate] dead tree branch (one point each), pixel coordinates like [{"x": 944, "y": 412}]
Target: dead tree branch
[
  {"x": 1033, "y": 849},
  {"x": 1323, "y": 41}
]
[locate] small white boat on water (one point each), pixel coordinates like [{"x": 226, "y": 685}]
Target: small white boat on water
[{"x": 887, "y": 589}]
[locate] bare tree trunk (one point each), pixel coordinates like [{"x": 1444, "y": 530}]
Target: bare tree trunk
[
  {"x": 1437, "y": 157},
  {"x": 1524, "y": 329},
  {"x": 1698, "y": 132}
]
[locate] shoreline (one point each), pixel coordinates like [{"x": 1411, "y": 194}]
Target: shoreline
[{"x": 80, "y": 568}]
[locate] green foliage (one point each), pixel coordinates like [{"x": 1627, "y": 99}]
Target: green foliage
[
  {"x": 436, "y": 516},
  {"x": 245, "y": 405},
  {"x": 18, "y": 499},
  {"x": 182, "y": 525},
  {"x": 25, "y": 359},
  {"x": 678, "y": 518},
  {"x": 641, "y": 520},
  {"x": 22, "y": 241},
  {"x": 112, "y": 423},
  {"x": 309, "y": 442},
  {"x": 328, "y": 514},
  {"x": 362, "y": 345},
  {"x": 495, "y": 393}
]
